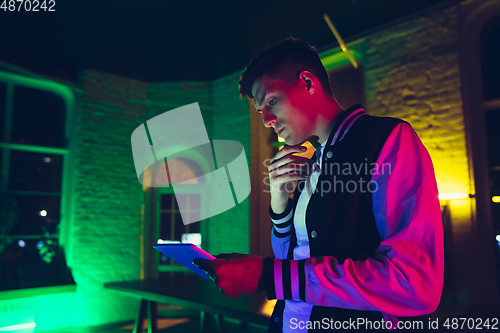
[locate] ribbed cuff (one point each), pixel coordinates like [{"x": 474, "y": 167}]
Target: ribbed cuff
[
  {"x": 285, "y": 279},
  {"x": 278, "y": 217},
  {"x": 282, "y": 222}
]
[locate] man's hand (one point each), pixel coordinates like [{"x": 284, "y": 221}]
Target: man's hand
[
  {"x": 283, "y": 170},
  {"x": 234, "y": 274}
]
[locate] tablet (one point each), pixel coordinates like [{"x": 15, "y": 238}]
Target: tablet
[{"x": 184, "y": 255}]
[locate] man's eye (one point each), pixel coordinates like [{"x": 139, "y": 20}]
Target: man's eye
[{"x": 272, "y": 101}]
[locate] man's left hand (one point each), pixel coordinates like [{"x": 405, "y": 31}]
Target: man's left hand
[{"x": 234, "y": 274}]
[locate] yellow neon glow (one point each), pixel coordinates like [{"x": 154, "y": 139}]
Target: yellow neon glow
[
  {"x": 496, "y": 199},
  {"x": 43, "y": 213},
  {"x": 280, "y": 139},
  {"x": 451, "y": 196},
  {"x": 339, "y": 39},
  {"x": 17, "y": 327}
]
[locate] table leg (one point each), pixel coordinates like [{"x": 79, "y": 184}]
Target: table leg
[
  {"x": 203, "y": 327},
  {"x": 139, "y": 320},
  {"x": 219, "y": 322},
  {"x": 152, "y": 317}
]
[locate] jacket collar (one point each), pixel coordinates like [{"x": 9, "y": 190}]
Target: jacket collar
[{"x": 344, "y": 123}]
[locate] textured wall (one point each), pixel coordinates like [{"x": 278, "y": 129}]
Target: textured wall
[
  {"x": 229, "y": 231},
  {"x": 412, "y": 72},
  {"x": 108, "y": 196},
  {"x": 167, "y": 96}
]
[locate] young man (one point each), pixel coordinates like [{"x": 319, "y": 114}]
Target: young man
[{"x": 362, "y": 237}]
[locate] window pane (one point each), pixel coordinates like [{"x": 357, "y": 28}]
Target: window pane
[
  {"x": 39, "y": 214},
  {"x": 171, "y": 225},
  {"x": 29, "y": 263},
  {"x": 165, "y": 227},
  {"x": 167, "y": 200},
  {"x": 192, "y": 206},
  {"x": 35, "y": 171},
  {"x": 495, "y": 191},
  {"x": 493, "y": 137},
  {"x": 179, "y": 227},
  {"x": 3, "y": 92},
  {"x": 39, "y": 118},
  {"x": 490, "y": 55}
]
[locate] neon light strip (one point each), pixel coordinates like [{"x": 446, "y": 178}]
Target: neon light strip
[
  {"x": 17, "y": 327},
  {"x": 451, "y": 196},
  {"x": 339, "y": 40}
]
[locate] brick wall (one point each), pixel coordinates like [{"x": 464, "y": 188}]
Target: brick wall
[
  {"x": 167, "y": 96},
  {"x": 412, "y": 72},
  {"x": 108, "y": 197}
]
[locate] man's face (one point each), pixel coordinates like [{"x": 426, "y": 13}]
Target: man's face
[{"x": 285, "y": 107}]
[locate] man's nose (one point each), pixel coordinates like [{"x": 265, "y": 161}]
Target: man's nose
[{"x": 268, "y": 118}]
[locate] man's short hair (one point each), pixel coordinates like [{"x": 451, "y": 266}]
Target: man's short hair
[{"x": 284, "y": 61}]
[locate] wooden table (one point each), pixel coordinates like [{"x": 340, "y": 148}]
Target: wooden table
[{"x": 190, "y": 291}]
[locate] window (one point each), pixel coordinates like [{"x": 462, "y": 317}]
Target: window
[
  {"x": 164, "y": 222},
  {"x": 490, "y": 67},
  {"x": 33, "y": 155},
  {"x": 170, "y": 226}
]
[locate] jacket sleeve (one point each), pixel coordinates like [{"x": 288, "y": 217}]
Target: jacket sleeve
[
  {"x": 282, "y": 230},
  {"x": 405, "y": 277}
]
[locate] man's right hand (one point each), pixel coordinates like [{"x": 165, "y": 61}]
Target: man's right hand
[{"x": 283, "y": 170}]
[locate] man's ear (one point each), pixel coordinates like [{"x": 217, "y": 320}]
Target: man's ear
[{"x": 309, "y": 81}]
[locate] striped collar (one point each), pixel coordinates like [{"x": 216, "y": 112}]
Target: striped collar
[{"x": 344, "y": 123}]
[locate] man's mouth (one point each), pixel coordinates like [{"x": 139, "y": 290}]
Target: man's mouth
[{"x": 279, "y": 131}]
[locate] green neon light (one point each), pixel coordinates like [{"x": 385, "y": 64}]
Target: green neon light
[
  {"x": 17, "y": 327},
  {"x": 332, "y": 59}
]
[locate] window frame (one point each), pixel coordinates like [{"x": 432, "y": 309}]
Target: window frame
[
  {"x": 150, "y": 261},
  {"x": 66, "y": 199}
]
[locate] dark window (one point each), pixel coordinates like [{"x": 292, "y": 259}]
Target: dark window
[
  {"x": 495, "y": 191},
  {"x": 31, "y": 189},
  {"x": 493, "y": 141},
  {"x": 171, "y": 226},
  {"x": 490, "y": 55},
  {"x": 490, "y": 68},
  {"x": 33, "y": 262},
  {"x": 35, "y": 171},
  {"x": 39, "y": 118},
  {"x": 39, "y": 214}
]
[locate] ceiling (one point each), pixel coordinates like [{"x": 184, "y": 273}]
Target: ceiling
[{"x": 156, "y": 40}]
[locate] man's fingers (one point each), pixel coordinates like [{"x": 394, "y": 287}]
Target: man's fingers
[
  {"x": 301, "y": 169},
  {"x": 288, "y": 150},
  {"x": 289, "y": 159},
  {"x": 206, "y": 266},
  {"x": 223, "y": 255},
  {"x": 203, "y": 264},
  {"x": 288, "y": 177}
]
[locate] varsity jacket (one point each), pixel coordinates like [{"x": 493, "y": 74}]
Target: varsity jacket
[{"x": 373, "y": 226}]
